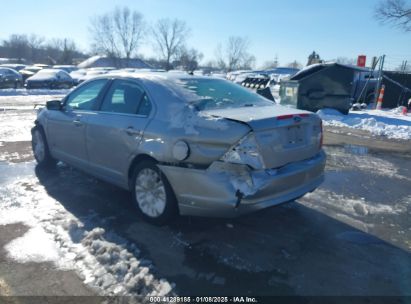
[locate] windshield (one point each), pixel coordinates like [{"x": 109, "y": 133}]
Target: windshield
[{"x": 221, "y": 94}]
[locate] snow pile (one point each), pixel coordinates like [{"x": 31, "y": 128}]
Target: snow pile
[
  {"x": 378, "y": 122},
  {"x": 106, "y": 262}
]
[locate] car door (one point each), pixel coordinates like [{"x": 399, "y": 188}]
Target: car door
[
  {"x": 8, "y": 78},
  {"x": 64, "y": 79},
  {"x": 2, "y": 79},
  {"x": 66, "y": 128},
  {"x": 115, "y": 132}
]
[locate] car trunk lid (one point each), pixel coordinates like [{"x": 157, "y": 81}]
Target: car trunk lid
[{"x": 283, "y": 135}]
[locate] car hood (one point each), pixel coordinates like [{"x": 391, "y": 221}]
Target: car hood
[{"x": 259, "y": 118}]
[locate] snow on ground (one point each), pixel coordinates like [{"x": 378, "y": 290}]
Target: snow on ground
[
  {"x": 357, "y": 207},
  {"x": 105, "y": 261},
  {"x": 35, "y": 246},
  {"x": 17, "y": 111},
  {"x": 389, "y": 123},
  {"x": 16, "y": 126},
  {"x": 358, "y": 157},
  {"x": 24, "y": 92}
]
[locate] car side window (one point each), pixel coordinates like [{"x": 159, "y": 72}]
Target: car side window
[
  {"x": 145, "y": 106},
  {"x": 63, "y": 75},
  {"x": 123, "y": 97},
  {"x": 85, "y": 97}
]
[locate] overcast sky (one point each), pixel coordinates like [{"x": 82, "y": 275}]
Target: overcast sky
[{"x": 289, "y": 29}]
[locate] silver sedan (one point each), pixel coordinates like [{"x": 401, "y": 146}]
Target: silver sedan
[{"x": 183, "y": 144}]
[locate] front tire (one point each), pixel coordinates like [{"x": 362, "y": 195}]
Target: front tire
[
  {"x": 40, "y": 148},
  {"x": 152, "y": 194}
]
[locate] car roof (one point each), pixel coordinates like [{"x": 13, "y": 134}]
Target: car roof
[
  {"x": 155, "y": 76},
  {"x": 9, "y": 69}
]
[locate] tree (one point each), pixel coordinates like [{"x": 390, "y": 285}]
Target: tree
[
  {"x": 35, "y": 44},
  {"x": 314, "y": 58},
  {"x": 17, "y": 47},
  {"x": 61, "y": 51},
  {"x": 68, "y": 52},
  {"x": 396, "y": 12},
  {"x": 169, "y": 38},
  {"x": 295, "y": 65},
  {"x": 189, "y": 59},
  {"x": 271, "y": 64},
  {"x": 117, "y": 34},
  {"x": 234, "y": 55}
]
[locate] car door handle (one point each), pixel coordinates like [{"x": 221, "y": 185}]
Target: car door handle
[
  {"x": 77, "y": 122},
  {"x": 131, "y": 131}
]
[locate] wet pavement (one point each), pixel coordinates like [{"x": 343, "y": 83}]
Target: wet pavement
[{"x": 350, "y": 237}]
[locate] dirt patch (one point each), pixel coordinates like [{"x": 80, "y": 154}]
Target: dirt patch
[{"x": 16, "y": 152}]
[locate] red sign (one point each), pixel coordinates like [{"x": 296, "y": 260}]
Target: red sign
[{"x": 362, "y": 59}]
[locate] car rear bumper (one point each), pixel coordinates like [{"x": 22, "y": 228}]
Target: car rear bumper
[{"x": 229, "y": 190}]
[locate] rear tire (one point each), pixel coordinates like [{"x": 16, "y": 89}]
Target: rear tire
[
  {"x": 40, "y": 148},
  {"x": 152, "y": 194}
]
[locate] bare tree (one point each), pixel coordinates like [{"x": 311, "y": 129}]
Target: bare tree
[
  {"x": 69, "y": 51},
  {"x": 271, "y": 63},
  {"x": 35, "y": 44},
  {"x": 61, "y": 51},
  {"x": 295, "y": 65},
  {"x": 235, "y": 54},
  {"x": 169, "y": 37},
  {"x": 396, "y": 12},
  {"x": 17, "y": 47},
  {"x": 34, "y": 49},
  {"x": 189, "y": 59},
  {"x": 118, "y": 33}
]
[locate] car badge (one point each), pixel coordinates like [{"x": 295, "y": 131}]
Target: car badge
[{"x": 297, "y": 119}]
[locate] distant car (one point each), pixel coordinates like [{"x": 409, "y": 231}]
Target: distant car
[
  {"x": 92, "y": 74},
  {"x": 15, "y": 66},
  {"x": 10, "y": 78},
  {"x": 76, "y": 75},
  {"x": 66, "y": 68},
  {"x": 42, "y": 65},
  {"x": 184, "y": 144},
  {"x": 50, "y": 79},
  {"x": 29, "y": 71}
]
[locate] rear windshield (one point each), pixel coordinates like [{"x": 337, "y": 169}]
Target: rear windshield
[{"x": 221, "y": 94}]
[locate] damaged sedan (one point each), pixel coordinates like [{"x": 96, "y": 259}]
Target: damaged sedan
[{"x": 183, "y": 144}]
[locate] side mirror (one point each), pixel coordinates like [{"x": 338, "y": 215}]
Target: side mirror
[{"x": 54, "y": 105}]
